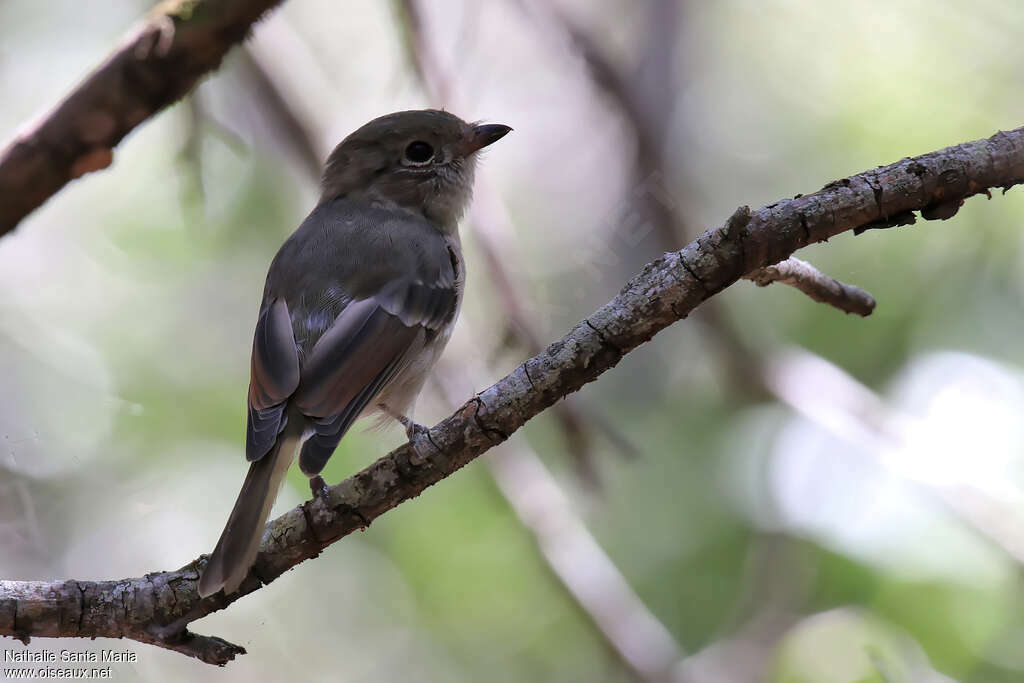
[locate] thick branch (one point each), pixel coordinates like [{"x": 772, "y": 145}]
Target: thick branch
[
  {"x": 157, "y": 608},
  {"x": 155, "y": 65}
]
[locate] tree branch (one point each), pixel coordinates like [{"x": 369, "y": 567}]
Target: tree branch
[
  {"x": 156, "y": 64},
  {"x": 157, "y": 608}
]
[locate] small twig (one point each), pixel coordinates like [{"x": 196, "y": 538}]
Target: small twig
[{"x": 815, "y": 284}]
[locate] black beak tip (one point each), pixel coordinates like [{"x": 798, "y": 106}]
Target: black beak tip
[{"x": 489, "y": 133}]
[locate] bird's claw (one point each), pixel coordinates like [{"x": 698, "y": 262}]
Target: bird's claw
[
  {"x": 419, "y": 439},
  {"x": 318, "y": 487},
  {"x": 418, "y": 435}
]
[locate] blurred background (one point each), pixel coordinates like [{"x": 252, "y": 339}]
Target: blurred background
[{"x": 771, "y": 490}]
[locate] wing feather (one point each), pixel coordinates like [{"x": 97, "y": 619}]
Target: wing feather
[{"x": 274, "y": 377}]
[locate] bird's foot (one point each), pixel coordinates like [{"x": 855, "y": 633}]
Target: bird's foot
[
  {"x": 419, "y": 438},
  {"x": 318, "y": 487},
  {"x": 418, "y": 435}
]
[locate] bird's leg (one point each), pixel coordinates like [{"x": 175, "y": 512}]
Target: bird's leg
[
  {"x": 411, "y": 428},
  {"x": 417, "y": 434},
  {"x": 318, "y": 487}
]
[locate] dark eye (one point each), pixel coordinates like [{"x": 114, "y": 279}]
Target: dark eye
[{"x": 419, "y": 152}]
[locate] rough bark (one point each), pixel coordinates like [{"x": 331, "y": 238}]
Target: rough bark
[
  {"x": 157, "y": 608},
  {"x": 157, "y": 63}
]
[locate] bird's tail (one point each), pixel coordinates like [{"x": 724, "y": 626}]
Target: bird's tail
[{"x": 239, "y": 542}]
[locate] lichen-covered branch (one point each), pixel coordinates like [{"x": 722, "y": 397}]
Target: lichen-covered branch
[
  {"x": 157, "y": 608},
  {"x": 815, "y": 284},
  {"x": 157, "y": 63}
]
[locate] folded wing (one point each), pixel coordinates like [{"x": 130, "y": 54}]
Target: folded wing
[{"x": 274, "y": 377}]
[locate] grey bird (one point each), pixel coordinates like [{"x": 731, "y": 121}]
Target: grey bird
[{"x": 358, "y": 305}]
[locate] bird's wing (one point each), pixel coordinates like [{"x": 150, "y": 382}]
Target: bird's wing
[
  {"x": 370, "y": 342},
  {"x": 274, "y": 377},
  {"x": 351, "y": 298}
]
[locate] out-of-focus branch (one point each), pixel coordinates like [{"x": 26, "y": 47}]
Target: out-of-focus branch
[
  {"x": 644, "y": 110},
  {"x": 422, "y": 58},
  {"x": 157, "y": 63},
  {"x": 295, "y": 132},
  {"x": 576, "y": 559},
  {"x": 639, "y": 639},
  {"x": 817, "y": 285},
  {"x": 800, "y": 379},
  {"x": 647, "y": 121},
  {"x": 577, "y": 424},
  {"x": 158, "y": 607},
  {"x": 836, "y": 402},
  {"x": 190, "y": 156}
]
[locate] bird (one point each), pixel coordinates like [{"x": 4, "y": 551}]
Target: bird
[{"x": 358, "y": 305}]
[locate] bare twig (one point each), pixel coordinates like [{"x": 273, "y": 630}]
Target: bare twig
[
  {"x": 157, "y": 63},
  {"x": 817, "y": 285},
  {"x": 157, "y": 608}
]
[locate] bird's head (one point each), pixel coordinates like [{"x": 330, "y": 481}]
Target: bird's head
[{"x": 422, "y": 161}]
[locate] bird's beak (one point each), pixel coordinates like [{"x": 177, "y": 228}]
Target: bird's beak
[{"x": 483, "y": 135}]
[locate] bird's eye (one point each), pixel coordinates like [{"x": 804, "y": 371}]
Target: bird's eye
[{"x": 419, "y": 152}]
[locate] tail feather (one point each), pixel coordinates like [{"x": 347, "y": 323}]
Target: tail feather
[{"x": 240, "y": 541}]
